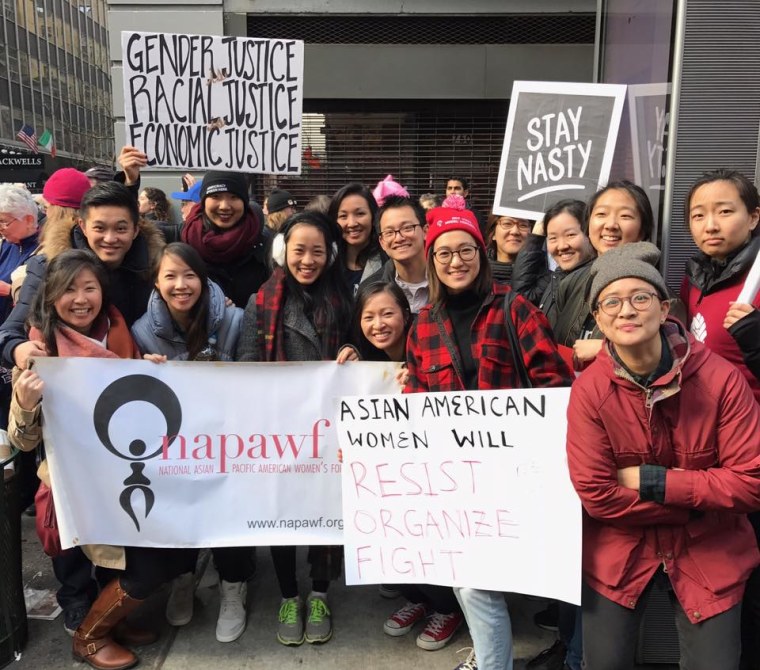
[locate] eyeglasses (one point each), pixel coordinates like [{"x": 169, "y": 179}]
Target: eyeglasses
[
  {"x": 5, "y": 224},
  {"x": 407, "y": 230},
  {"x": 445, "y": 256},
  {"x": 640, "y": 301},
  {"x": 508, "y": 224}
]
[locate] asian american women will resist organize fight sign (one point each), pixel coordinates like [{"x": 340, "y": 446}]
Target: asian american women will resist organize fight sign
[{"x": 462, "y": 489}]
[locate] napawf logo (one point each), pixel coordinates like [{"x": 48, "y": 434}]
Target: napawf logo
[
  {"x": 699, "y": 328},
  {"x": 134, "y": 388}
]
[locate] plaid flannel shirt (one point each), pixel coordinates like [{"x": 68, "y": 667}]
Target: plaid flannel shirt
[{"x": 435, "y": 365}]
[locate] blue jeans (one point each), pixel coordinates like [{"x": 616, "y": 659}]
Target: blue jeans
[{"x": 491, "y": 630}]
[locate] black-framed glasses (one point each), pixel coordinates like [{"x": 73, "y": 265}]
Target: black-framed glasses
[
  {"x": 640, "y": 301},
  {"x": 407, "y": 230},
  {"x": 445, "y": 256}
]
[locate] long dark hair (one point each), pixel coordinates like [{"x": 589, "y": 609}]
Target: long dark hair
[
  {"x": 437, "y": 290},
  {"x": 373, "y": 245},
  {"x": 326, "y": 302},
  {"x": 197, "y": 334},
  {"x": 367, "y": 350},
  {"x": 60, "y": 273}
]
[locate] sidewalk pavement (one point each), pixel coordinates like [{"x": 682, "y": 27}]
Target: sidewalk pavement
[{"x": 358, "y": 639}]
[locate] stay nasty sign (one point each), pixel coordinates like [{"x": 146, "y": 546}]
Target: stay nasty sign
[
  {"x": 198, "y": 454},
  {"x": 559, "y": 143},
  {"x": 211, "y": 102},
  {"x": 461, "y": 489}
]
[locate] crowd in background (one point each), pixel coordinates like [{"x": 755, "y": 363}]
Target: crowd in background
[{"x": 664, "y": 424}]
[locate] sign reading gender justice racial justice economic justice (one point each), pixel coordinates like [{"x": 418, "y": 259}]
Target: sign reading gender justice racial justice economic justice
[
  {"x": 210, "y": 102},
  {"x": 198, "y": 454},
  {"x": 559, "y": 144},
  {"x": 461, "y": 489}
]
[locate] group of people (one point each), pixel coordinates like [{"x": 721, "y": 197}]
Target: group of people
[{"x": 663, "y": 422}]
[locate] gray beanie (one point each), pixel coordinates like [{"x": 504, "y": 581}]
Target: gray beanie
[{"x": 637, "y": 259}]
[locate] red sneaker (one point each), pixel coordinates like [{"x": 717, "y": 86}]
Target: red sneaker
[
  {"x": 439, "y": 630},
  {"x": 403, "y": 619}
]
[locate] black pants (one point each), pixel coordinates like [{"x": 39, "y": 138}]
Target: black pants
[
  {"x": 751, "y": 611},
  {"x": 610, "y": 635},
  {"x": 148, "y": 569},
  {"x": 234, "y": 564},
  {"x": 79, "y": 586},
  {"x": 440, "y": 598}
]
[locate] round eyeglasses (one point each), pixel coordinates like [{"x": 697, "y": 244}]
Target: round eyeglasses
[{"x": 640, "y": 301}]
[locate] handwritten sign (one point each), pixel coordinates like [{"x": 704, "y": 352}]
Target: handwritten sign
[
  {"x": 461, "y": 489},
  {"x": 198, "y": 455},
  {"x": 208, "y": 102},
  {"x": 559, "y": 144}
]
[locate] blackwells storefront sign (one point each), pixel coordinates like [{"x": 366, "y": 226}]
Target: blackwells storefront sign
[{"x": 198, "y": 454}]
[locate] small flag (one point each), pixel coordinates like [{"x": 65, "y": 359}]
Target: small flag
[
  {"x": 28, "y": 137},
  {"x": 46, "y": 141}
]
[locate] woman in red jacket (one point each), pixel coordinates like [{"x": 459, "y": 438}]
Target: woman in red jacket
[
  {"x": 664, "y": 453},
  {"x": 461, "y": 342}
]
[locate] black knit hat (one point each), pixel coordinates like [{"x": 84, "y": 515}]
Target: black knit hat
[
  {"x": 225, "y": 182},
  {"x": 279, "y": 200}
]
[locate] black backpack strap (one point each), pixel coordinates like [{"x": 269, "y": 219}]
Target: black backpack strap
[{"x": 514, "y": 342}]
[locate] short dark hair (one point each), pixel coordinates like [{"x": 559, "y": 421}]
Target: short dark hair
[
  {"x": 643, "y": 206},
  {"x": 465, "y": 183},
  {"x": 368, "y": 351},
  {"x": 747, "y": 190},
  {"x": 110, "y": 193},
  {"x": 396, "y": 202},
  {"x": 575, "y": 208}
]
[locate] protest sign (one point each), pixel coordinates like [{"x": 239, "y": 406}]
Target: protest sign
[
  {"x": 649, "y": 118},
  {"x": 198, "y": 454},
  {"x": 462, "y": 489},
  {"x": 210, "y": 102},
  {"x": 559, "y": 144}
]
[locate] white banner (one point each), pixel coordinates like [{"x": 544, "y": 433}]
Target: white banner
[
  {"x": 212, "y": 102},
  {"x": 462, "y": 489},
  {"x": 198, "y": 454}
]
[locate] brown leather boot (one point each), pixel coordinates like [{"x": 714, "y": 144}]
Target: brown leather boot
[
  {"x": 132, "y": 636},
  {"x": 93, "y": 643}
]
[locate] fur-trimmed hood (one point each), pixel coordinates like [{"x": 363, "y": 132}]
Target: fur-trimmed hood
[{"x": 142, "y": 257}]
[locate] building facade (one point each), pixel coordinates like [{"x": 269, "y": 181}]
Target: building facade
[{"x": 54, "y": 78}]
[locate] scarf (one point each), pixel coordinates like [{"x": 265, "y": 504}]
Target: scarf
[
  {"x": 221, "y": 245},
  {"x": 109, "y": 338},
  {"x": 270, "y": 303}
]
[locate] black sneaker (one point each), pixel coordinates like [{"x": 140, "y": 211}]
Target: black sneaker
[
  {"x": 552, "y": 658},
  {"x": 73, "y": 618},
  {"x": 548, "y": 619}
]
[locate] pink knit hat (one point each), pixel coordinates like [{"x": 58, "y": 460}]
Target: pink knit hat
[
  {"x": 66, "y": 187},
  {"x": 388, "y": 187},
  {"x": 452, "y": 215}
]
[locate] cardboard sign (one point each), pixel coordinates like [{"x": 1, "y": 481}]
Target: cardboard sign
[
  {"x": 559, "y": 144},
  {"x": 209, "y": 102},
  {"x": 198, "y": 454},
  {"x": 461, "y": 489}
]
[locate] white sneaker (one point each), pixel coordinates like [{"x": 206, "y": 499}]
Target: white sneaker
[
  {"x": 231, "y": 622},
  {"x": 179, "y": 607}
]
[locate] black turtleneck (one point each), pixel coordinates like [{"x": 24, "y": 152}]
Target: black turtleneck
[{"x": 462, "y": 309}]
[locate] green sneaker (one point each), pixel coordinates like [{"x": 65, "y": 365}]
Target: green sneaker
[
  {"x": 290, "y": 630},
  {"x": 318, "y": 620}
]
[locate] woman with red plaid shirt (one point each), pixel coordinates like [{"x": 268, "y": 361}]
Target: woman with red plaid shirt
[{"x": 460, "y": 342}]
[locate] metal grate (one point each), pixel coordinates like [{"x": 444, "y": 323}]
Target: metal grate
[
  {"x": 420, "y": 149},
  {"x": 501, "y": 29}
]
